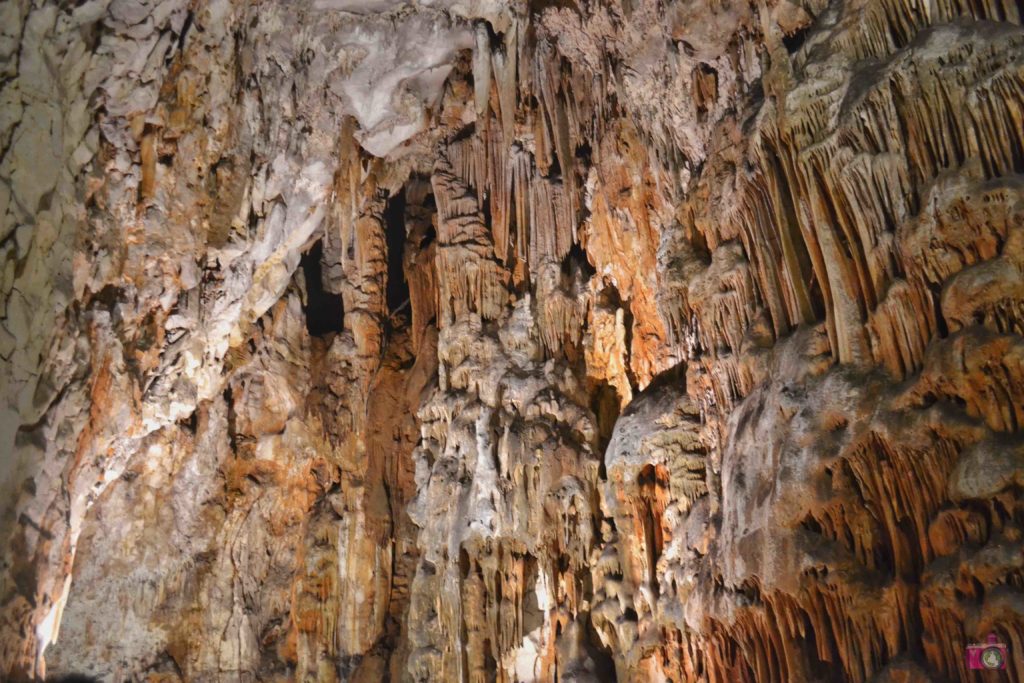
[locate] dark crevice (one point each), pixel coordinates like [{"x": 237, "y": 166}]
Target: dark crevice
[
  {"x": 627, "y": 320},
  {"x": 555, "y": 168},
  {"x": 605, "y": 403},
  {"x": 429, "y": 236},
  {"x": 485, "y": 210},
  {"x": 229, "y": 401},
  {"x": 585, "y": 153},
  {"x": 394, "y": 233},
  {"x": 189, "y": 19},
  {"x": 190, "y": 423},
  {"x": 324, "y": 311},
  {"x": 576, "y": 261},
  {"x": 465, "y": 565},
  {"x": 940, "y": 321},
  {"x": 795, "y": 40},
  {"x": 604, "y": 662},
  {"x": 490, "y": 663}
]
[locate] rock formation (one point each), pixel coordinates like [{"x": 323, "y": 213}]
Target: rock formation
[{"x": 470, "y": 340}]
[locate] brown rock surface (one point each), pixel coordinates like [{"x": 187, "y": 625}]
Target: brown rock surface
[{"x": 482, "y": 341}]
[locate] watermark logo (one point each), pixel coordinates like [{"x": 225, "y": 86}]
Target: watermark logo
[{"x": 988, "y": 655}]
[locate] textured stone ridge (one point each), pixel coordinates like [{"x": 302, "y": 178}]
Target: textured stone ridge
[{"x": 481, "y": 341}]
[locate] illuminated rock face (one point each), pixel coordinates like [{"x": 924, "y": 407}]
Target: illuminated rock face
[{"x": 472, "y": 341}]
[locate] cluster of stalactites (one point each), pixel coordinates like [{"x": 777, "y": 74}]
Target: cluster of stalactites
[{"x": 854, "y": 210}]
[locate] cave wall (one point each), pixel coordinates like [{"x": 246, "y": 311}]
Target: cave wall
[{"x": 483, "y": 341}]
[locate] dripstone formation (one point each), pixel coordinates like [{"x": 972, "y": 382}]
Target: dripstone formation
[{"x": 473, "y": 340}]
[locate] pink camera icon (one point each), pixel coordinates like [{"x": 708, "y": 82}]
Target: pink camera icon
[{"x": 989, "y": 655}]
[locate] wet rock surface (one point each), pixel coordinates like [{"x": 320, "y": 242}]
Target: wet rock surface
[{"x": 475, "y": 341}]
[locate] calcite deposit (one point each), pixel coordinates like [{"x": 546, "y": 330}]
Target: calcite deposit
[{"x": 474, "y": 340}]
